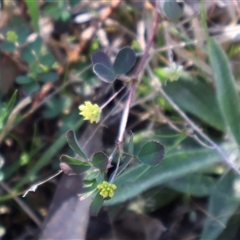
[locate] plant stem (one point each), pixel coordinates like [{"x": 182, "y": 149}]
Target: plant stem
[
  {"x": 135, "y": 76},
  {"x": 112, "y": 97},
  {"x": 125, "y": 114},
  {"x": 147, "y": 49}
]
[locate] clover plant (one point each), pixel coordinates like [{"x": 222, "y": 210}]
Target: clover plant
[
  {"x": 97, "y": 183},
  {"x": 40, "y": 62}
]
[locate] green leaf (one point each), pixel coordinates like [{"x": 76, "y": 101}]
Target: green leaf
[
  {"x": 22, "y": 33},
  {"x": 91, "y": 175},
  {"x": 100, "y": 161},
  {"x": 73, "y": 143},
  {"x": 73, "y": 166},
  {"x": 52, "y": 11},
  {"x": 33, "y": 10},
  {"x": 124, "y": 61},
  {"x": 54, "y": 107},
  {"x": 151, "y": 153},
  {"x": 36, "y": 46},
  {"x": 138, "y": 179},
  {"x": 194, "y": 184},
  {"x": 65, "y": 15},
  {"x": 130, "y": 145},
  {"x": 8, "y": 47},
  {"x": 87, "y": 194},
  {"x": 102, "y": 58},
  {"x": 104, "y": 73},
  {"x": 47, "y": 60},
  {"x": 222, "y": 205},
  {"x": 23, "y": 79},
  {"x": 27, "y": 55},
  {"x": 197, "y": 98},
  {"x": 232, "y": 228},
  {"x": 172, "y": 9},
  {"x": 30, "y": 88},
  {"x": 226, "y": 91},
  {"x": 49, "y": 77},
  {"x": 73, "y": 2},
  {"x": 96, "y": 205}
]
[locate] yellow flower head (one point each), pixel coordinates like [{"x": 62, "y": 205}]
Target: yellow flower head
[
  {"x": 106, "y": 189},
  {"x": 11, "y": 36},
  {"x": 91, "y": 112}
]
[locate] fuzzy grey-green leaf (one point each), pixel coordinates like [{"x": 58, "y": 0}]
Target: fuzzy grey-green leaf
[
  {"x": 222, "y": 205},
  {"x": 151, "y": 153},
  {"x": 226, "y": 91}
]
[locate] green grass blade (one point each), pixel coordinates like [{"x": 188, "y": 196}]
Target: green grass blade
[
  {"x": 33, "y": 10},
  {"x": 225, "y": 85},
  {"x": 9, "y": 106}
]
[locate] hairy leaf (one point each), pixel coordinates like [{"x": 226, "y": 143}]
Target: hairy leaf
[
  {"x": 226, "y": 91},
  {"x": 193, "y": 184},
  {"x": 151, "y": 153},
  {"x": 197, "y": 98},
  {"x": 222, "y": 204}
]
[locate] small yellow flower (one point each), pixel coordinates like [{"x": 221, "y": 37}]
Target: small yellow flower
[
  {"x": 91, "y": 112},
  {"x": 12, "y": 36},
  {"x": 106, "y": 189}
]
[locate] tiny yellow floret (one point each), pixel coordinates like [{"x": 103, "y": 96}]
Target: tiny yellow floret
[
  {"x": 106, "y": 189},
  {"x": 11, "y": 36},
  {"x": 91, "y": 112}
]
